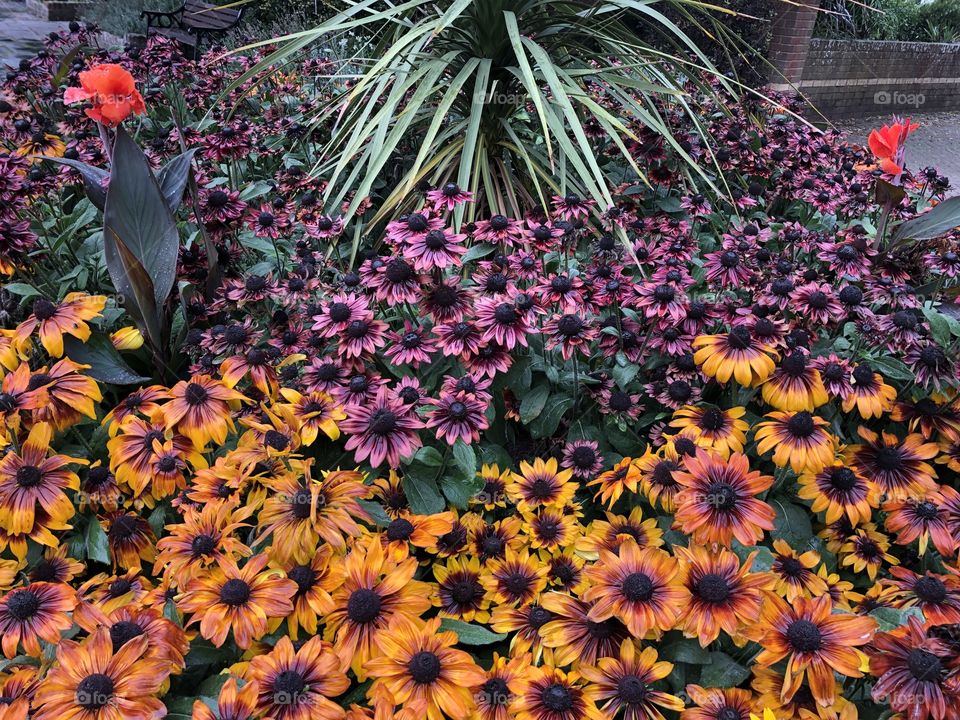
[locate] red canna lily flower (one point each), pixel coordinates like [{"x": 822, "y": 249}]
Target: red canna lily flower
[
  {"x": 887, "y": 144},
  {"x": 111, "y": 91}
]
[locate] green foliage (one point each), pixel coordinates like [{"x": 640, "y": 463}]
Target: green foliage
[
  {"x": 499, "y": 95},
  {"x": 937, "y": 21},
  {"x": 120, "y": 18}
]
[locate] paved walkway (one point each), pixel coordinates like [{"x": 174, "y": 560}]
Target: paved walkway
[
  {"x": 21, "y": 32},
  {"x": 935, "y": 143}
]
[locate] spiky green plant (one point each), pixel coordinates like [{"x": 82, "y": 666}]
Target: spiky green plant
[{"x": 499, "y": 95}]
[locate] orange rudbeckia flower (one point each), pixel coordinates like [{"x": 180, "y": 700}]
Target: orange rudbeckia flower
[{"x": 111, "y": 92}]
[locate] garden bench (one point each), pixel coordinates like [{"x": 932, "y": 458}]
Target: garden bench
[{"x": 193, "y": 22}]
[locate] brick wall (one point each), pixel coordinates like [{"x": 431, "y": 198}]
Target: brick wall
[
  {"x": 790, "y": 32},
  {"x": 857, "y": 78}
]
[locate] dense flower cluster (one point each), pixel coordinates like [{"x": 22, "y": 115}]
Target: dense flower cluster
[{"x": 693, "y": 455}]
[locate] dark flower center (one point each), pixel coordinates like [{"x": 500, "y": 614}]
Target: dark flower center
[
  {"x": 637, "y": 587},
  {"x": 930, "y": 590},
  {"x": 795, "y": 364},
  {"x": 499, "y": 223},
  {"x": 167, "y": 464},
  {"x": 304, "y": 576},
  {"x": 29, "y": 476},
  {"x": 924, "y": 665},
  {"x": 288, "y": 686},
  {"x": 218, "y": 199},
  {"x": 38, "y": 380},
  {"x": 255, "y": 283},
  {"x": 43, "y": 309},
  {"x": 457, "y": 411},
  {"x": 850, "y": 295},
  {"x": 417, "y": 222},
  {"x": 301, "y": 504},
  {"x": 583, "y": 457},
  {"x": 496, "y": 282},
  {"x": 23, "y": 604},
  {"x": 927, "y": 510},
  {"x": 713, "y": 419},
  {"x": 620, "y": 401},
  {"x": 196, "y": 394},
  {"x": 398, "y": 271},
  {"x": 45, "y": 571},
  {"x": 663, "y": 473},
  {"x": 933, "y": 357},
  {"x": 123, "y": 527},
  {"x": 541, "y": 489},
  {"x": 495, "y": 692},
  {"x": 863, "y": 374},
  {"x": 632, "y": 690},
  {"x": 516, "y": 584},
  {"x": 791, "y": 567},
  {"x": 235, "y": 592},
  {"x": 424, "y": 667},
  {"x": 383, "y": 422},
  {"x": 664, "y": 293},
  {"x": 570, "y": 325},
  {"x": 782, "y": 286},
  {"x": 122, "y": 632},
  {"x": 505, "y": 314},
  {"x": 276, "y": 440},
  {"x": 400, "y": 529},
  {"x": 358, "y": 329},
  {"x": 492, "y": 546},
  {"x": 538, "y": 616},
  {"x": 905, "y": 320},
  {"x": 722, "y": 496},
  {"x": 729, "y": 259},
  {"x": 804, "y": 636},
  {"x": 435, "y": 240},
  {"x": 451, "y": 190},
  {"x": 713, "y": 588},
  {"x": 363, "y": 606},
  {"x": 889, "y": 459},
  {"x": 729, "y": 713},
  {"x": 150, "y": 437},
  {"x": 203, "y": 545},
  {"x": 338, "y": 312},
  {"x": 235, "y": 334},
  {"x": 843, "y": 479},
  {"x": 801, "y": 425},
  {"x": 561, "y": 284},
  {"x": 119, "y": 587},
  {"x": 832, "y": 373},
  {"x": 556, "y": 698},
  {"x": 265, "y": 220},
  {"x": 465, "y": 591},
  {"x": 739, "y": 338},
  {"x": 94, "y": 691}
]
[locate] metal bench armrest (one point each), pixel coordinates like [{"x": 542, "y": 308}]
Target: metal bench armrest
[{"x": 157, "y": 18}]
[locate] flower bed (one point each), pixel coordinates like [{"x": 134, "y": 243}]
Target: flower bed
[{"x": 694, "y": 454}]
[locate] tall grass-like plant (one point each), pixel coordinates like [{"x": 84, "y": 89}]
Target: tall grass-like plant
[{"x": 506, "y": 96}]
